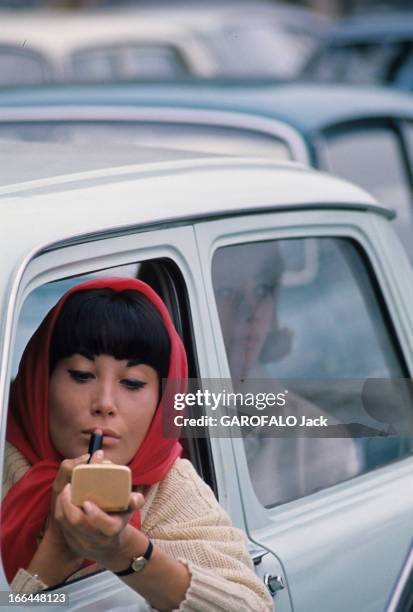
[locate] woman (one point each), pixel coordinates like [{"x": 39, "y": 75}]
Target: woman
[
  {"x": 282, "y": 468},
  {"x": 96, "y": 362}
]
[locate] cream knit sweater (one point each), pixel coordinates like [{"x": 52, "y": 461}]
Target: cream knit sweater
[{"x": 182, "y": 516}]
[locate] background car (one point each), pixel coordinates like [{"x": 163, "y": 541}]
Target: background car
[
  {"x": 362, "y": 134},
  {"x": 67, "y": 212},
  {"x": 101, "y": 46},
  {"x": 370, "y": 49},
  {"x": 249, "y": 39},
  {"x": 165, "y": 40}
]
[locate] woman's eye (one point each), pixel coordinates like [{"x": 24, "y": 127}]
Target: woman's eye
[
  {"x": 133, "y": 384},
  {"x": 80, "y": 375},
  {"x": 225, "y": 293}
]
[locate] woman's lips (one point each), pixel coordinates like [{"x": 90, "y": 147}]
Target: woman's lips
[{"x": 108, "y": 440}]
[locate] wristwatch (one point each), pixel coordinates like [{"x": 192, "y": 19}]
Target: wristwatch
[{"x": 138, "y": 563}]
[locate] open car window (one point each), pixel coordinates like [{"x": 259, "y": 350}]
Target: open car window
[{"x": 165, "y": 278}]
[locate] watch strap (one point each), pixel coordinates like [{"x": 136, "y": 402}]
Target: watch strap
[{"x": 146, "y": 556}]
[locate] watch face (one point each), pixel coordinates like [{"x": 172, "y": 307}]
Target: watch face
[{"x": 138, "y": 564}]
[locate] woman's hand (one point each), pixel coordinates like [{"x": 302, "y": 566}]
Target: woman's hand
[
  {"x": 54, "y": 560},
  {"x": 64, "y": 475},
  {"x": 94, "y": 534},
  {"x": 111, "y": 541},
  {"x": 53, "y": 535}
]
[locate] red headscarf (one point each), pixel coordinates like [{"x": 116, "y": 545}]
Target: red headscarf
[{"x": 27, "y": 504}]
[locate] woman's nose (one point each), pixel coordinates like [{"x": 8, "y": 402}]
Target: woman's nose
[
  {"x": 104, "y": 404},
  {"x": 246, "y": 309}
]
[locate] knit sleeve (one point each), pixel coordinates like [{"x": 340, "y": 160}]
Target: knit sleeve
[
  {"x": 15, "y": 466},
  {"x": 23, "y": 582},
  {"x": 186, "y": 521}
]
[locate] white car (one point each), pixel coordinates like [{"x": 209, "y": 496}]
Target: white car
[
  {"x": 42, "y": 46},
  {"x": 326, "y": 531},
  {"x": 249, "y": 39}
]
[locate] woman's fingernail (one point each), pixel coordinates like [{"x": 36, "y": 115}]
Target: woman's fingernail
[
  {"x": 87, "y": 507},
  {"x": 99, "y": 454},
  {"x": 82, "y": 459}
]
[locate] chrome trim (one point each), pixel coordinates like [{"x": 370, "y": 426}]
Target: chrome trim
[
  {"x": 226, "y": 119},
  {"x": 401, "y": 583},
  {"x": 274, "y": 583}
]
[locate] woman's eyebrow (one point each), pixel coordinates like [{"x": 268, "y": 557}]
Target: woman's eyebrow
[{"x": 133, "y": 362}]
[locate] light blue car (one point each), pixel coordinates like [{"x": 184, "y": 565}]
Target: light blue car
[{"x": 362, "y": 134}]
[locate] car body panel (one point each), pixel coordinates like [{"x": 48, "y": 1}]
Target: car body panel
[
  {"x": 402, "y": 596},
  {"x": 305, "y": 110},
  {"x": 278, "y": 100},
  {"x": 176, "y": 207},
  {"x": 244, "y": 125},
  {"x": 327, "y": 527}
]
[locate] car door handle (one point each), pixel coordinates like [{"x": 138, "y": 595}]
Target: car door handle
[{"x": 274, "y": 583}]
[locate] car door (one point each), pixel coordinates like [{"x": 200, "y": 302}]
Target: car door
[
  {"x": 36, "y": 289},
  {"x": 328, "y": 509},
  {"x": 45, "y": 279}
]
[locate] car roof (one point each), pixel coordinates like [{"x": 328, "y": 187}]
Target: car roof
[
  {"x": 305, "y": 106},
  {"x": 21, "y": 162},
  {"x": 61, "y": 32},
  {"x": 68, "y": 209},
  {"x": 34, "y": 170},
  {"x": 363, "y": 28},
  {"x": 58, "y": 34}
]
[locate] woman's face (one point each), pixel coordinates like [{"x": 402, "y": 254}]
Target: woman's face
[
  {"x": 244, "y": 287},
  {"x": 246, "y": 314},
  {"x": 118, "y": 396}
]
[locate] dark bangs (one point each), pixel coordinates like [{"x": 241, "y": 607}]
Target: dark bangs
[{"x": 122, "y": 324}]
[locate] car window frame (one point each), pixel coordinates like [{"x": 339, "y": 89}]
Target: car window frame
[
  {"x": 295, "y": 224},
  {"x": 42, "y": 274}
]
